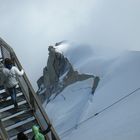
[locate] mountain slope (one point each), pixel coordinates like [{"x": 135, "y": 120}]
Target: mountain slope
[{"x": 71, "y": 110}]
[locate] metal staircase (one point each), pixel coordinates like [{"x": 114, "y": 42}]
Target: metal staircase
[
  {"x": 30, "y": 111},
  {"x": 16, "y": 120}
]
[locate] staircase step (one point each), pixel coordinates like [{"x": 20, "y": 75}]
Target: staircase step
[
  {"x": 2, "y": 90},
  {"x": 12, "y": 106},
  {"x": 22, "y": 128},
  {"x": 9, "y": 102},
  {"x": 28, "y": 133},
  {"x": 16, "y": 119},
  {"x": 4, "y": 94},
  {"x": 6, "y": 98},
  {"x": 22, "y": 123},
  {"x": 13, "y": 111}
]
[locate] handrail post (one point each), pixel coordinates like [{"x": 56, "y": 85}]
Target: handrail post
[
  {"x": 3, "y": 132},
  {"x": 32, "y": 102}
]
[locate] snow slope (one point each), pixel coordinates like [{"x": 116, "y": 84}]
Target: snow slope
[{"x": 72, "y": 112}]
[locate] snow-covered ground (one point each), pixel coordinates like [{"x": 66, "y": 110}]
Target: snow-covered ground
[{"x": 73, "y": 111}]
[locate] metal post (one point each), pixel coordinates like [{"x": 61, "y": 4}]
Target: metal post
[
  {"x": 32, "y": 102},
  {"x": 3, "y": 132}
]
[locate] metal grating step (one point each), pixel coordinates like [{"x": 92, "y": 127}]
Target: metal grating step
[
  {"x": 6, "y": 98},
  {"x": 4, "y": 94},
  {"x": 28, "y": 133},
  {"x": 9, "y": 102},
  {"x": 14, "y": 120},
  {"x": 12, "y": 106},
  {"x": 13, "y": 111},
  {"x": 22, "y": 128}
]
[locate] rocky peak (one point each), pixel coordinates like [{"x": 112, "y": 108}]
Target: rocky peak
[{"x": 57, "y": 75}]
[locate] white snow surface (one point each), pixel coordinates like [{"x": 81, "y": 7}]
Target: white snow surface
[{"x": 72, "y": 111}]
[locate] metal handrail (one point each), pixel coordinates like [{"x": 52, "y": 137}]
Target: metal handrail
[{"x": 33, "y": 96}]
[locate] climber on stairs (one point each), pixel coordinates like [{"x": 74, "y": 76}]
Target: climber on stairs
[{"x": 11, "y": 74}]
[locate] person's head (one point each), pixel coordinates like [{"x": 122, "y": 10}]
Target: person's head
[
  {"x": 8, "y": 63},
  {"x": 22, "y": 136}
]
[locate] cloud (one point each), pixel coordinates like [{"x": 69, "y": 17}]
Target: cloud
[{"x": 29, "y": 26}]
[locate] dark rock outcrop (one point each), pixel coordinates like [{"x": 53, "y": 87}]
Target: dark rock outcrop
[{"x": 57, "y": 75}]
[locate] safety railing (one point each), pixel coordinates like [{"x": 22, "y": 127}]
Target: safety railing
[{"x": 31, "y": 97}]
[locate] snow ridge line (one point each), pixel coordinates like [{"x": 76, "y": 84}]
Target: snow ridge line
[{"x": 94, "y": 115}]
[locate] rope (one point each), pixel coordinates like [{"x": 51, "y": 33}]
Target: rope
[{"x": 94, "y": 115}]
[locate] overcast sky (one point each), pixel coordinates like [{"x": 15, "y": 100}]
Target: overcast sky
[{"x": 29, "y": 26}]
